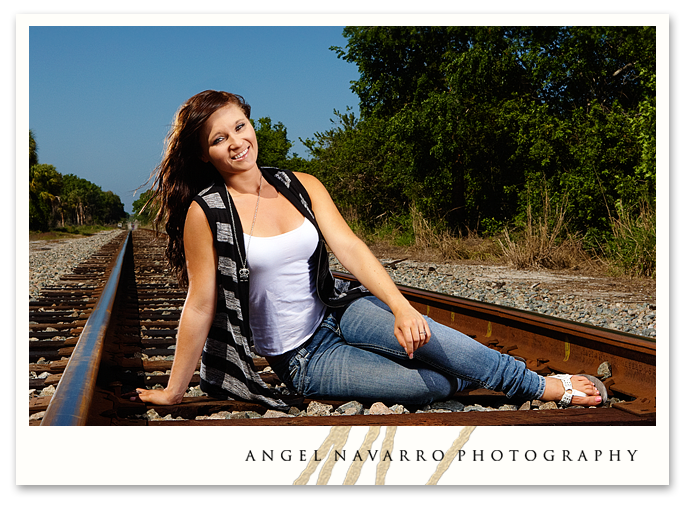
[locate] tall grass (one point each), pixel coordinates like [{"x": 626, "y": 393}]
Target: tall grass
[
  {"x": 632, "y": 250},
  {"x": 426, "y": 239},
  {"x": 436, "y": 237},
  {"x": 545, "y": 241}
]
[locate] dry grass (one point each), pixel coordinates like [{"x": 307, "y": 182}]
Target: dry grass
[
  {"x": 439, "y": 242},
  {"x": 430, "y": 243},
  {"x": 632, "y": 252},
  {"x": 544, "y": 242}
]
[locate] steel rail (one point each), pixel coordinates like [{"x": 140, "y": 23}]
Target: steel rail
[
  {"x": 550, "y": 344},
  {"x": 72, "y": 399},
  {"x": 546, "y": 343}
]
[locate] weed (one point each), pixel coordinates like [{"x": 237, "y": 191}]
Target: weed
[
  {"x": 632, "y": 250},
  {"x": 544, "y": 241}
]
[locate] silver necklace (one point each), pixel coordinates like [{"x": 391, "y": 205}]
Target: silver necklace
[{"x": 244, "y": 272}]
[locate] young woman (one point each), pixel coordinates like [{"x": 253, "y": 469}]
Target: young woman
[{"x": 249, "y": 242}]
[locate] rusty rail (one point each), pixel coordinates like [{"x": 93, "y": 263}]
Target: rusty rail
[
  {"x": 72, "y": 399},
  {"x": 135, "y": 357},
  {"x": 550, "y": 344}
]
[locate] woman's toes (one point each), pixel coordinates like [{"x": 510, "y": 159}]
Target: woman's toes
[{"x": 593, "y": 396}]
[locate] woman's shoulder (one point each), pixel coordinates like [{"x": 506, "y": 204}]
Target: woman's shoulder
[
  {"x": 286, "y": 175},
  {"x": 211, "y": 197},
  {"x": 306, "y": 179}
]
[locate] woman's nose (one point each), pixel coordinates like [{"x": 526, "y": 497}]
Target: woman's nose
[{"x": 233, "y": 141}]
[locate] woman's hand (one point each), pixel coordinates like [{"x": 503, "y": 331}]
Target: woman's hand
[
  {"x": 410, "y": 328},
  {"x": 161, "y": 396},
  {"x": 197, "y": 314}
]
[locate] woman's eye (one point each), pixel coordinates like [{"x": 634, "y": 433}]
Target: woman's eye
[
  {"x": 239, "y": 127},
  {"x": 216, "y": 141}
]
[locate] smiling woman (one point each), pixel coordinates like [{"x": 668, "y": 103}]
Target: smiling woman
[{"x": 322, "y": 337}]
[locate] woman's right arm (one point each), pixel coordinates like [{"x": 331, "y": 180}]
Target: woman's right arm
[{"x": 198, "y": 311}]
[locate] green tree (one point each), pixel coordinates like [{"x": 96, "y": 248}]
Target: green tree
[
  {"x": 55, "y": 200},
  {"x": 399, "y": 65},
  {"x": 472, "y": 124},
  {"x": 144, "y": 209},
  {"x": 353, "y": 162},
  {"x": 82, "y": 201},
  {"x": 111, "y": 209},
  {"x": 274, "y": 146},
  {"x": 45, "y": 186},
  {"x": 33, "y": 150}
]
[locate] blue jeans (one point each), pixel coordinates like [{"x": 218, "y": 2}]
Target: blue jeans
[{"x": 358, "y": 357}]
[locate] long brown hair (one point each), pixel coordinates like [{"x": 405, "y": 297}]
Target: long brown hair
[{"x": 182, "y": 174}]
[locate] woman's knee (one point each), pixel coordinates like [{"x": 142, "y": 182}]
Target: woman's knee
[{"x": 436, "y": 387}]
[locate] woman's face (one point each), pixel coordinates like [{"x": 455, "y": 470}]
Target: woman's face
[{"x": 228, "y": 141}]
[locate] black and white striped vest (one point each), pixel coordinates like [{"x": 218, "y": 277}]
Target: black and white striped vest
[{"x": 227, "y": 368}]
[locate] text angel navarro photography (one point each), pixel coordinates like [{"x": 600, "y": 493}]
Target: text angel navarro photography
[{"x": 509, "y": 455}]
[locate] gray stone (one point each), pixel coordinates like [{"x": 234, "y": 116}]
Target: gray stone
[
  {"x": 476, "y": 407},
  {"x": 318, "y": 409},
  {"x": 380, "y": 409},
  {"x": 605, "y": 371},
  {"x": 244, "y": 414},
  {"x": 195, "y": 391},
  {"x": 448, "y": 405},
  {"x": 37, "y": 416},
  {"x": 472, "y": 282},
  {"x": 350, "y": 408},
  {"x": 272, "y": 413},
  {"x": 153, "y": 415},
  {"x": 221, "y": 415},
  {"x": 548, "y": 405},
  {"x": 47, "y": 392}
]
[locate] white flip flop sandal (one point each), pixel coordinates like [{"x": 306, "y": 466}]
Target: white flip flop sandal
[{"x": 570, "y": 391}]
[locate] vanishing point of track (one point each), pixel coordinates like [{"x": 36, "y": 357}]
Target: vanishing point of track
[{"x": 110, "y": 327}]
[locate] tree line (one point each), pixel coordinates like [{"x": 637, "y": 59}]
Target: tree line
[
  {"x": 474, "y": 126},
  {"x": 58, "y": 201}
]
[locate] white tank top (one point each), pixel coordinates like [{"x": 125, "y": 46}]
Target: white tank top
[{"x": 284, "y": 308}]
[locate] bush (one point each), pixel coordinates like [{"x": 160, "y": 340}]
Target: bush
[
  {"x": 632, "y": 249},
  {"x": 544, "y": 241}
]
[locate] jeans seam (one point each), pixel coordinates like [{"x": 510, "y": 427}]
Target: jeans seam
[
  {"x": 453, "y": 374},
  {"x": 374, "y": 347},
  {"x": 435, "y": 367}
]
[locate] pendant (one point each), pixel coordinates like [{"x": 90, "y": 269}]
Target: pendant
[{"x": 244, "y": 274}]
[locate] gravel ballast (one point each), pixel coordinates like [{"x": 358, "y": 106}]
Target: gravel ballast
[
  {"x": 49, "y": 260},
  {"x": 498, "y": 285},
  {"x": 526, "y": 290}
]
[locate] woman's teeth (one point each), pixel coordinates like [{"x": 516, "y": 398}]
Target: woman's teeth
[{"x": 240, "y": 155}]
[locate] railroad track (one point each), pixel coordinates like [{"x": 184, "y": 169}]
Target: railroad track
[{"x": 111, "y": 325}]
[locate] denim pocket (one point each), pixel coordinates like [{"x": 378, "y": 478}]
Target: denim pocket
[
  {"x": 332, "y": 323},
  {"x": 296, "y": 371}
]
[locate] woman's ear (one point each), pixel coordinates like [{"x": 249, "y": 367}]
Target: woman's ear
[{"x": 202, "y": 155}]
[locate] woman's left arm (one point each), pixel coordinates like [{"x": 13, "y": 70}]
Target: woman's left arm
[{"x": 410, "y": 328}]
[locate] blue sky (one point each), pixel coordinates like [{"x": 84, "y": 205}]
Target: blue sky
[{"x": 102, "y": 97}]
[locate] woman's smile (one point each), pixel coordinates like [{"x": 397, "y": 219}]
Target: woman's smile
[{"x": 241, "y": 155}]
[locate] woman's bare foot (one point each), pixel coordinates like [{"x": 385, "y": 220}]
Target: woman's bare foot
[{"x": 554, "y": 390}]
